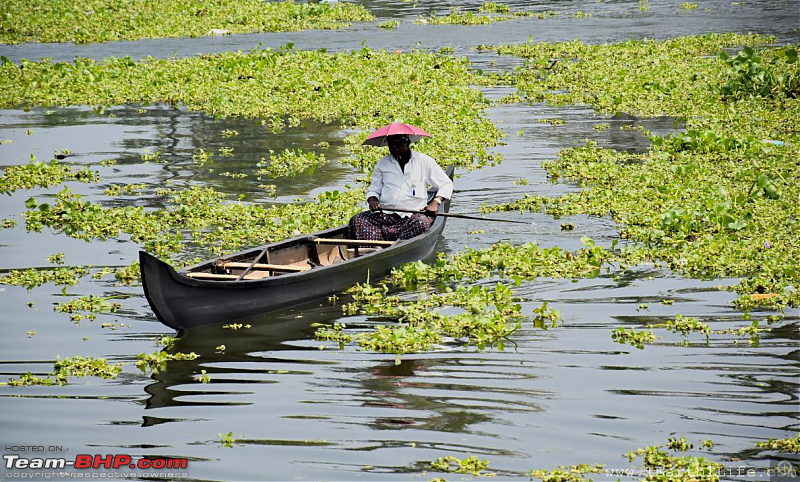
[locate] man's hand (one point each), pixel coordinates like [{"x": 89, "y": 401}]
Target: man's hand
[
  {"x": 374, "y": 205},
  {"x": 432, "y": 208}
]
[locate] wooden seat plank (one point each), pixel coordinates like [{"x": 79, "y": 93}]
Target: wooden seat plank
[
  {"x": 228, "y": 277},
  {"x": 362, "y": 242},
  {"x": 267, "y": 267},
  {"x": 361, "y": 251},
  {"x": 213, "y": 276}
]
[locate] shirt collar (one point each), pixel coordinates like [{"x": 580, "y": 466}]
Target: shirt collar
[{"x": 413, "y": 155}]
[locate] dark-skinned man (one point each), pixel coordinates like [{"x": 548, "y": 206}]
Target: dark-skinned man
[{"x": 400, "y": 181}]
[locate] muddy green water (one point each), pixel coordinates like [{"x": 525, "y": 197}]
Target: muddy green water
[{"x": 564, "y": 396}]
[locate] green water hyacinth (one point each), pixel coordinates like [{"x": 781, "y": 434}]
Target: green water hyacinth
[
  {"x": 79, "y": 366},
  {"x": 157, "y": 361},
  {"x": 42, "y": 174},
  {"x": 88, "y": 21},
  {"x": 707, "y": 201},
  {"x": 494, "y": 7},
  {"x": 125, "y": 276},
  {"x": 787, "y": 445},
  {"x": 685, "y": 325},
  {"x": 755, "y": 75},
  {"x": 29, "y": 378},
  {"x": 459, "y": 17},
  {"x": 488, "y": 317},
  {"x": 289, "y": 163},
  {"x": 663, "y": 467},
  {"x": 633, "y": 337},
  {"x": 658, "y": 466},
  {"x": 517, "y": 263},
  {"x": 199, "y": 215},
  {"x": 489, "y": 12},
  {"x": 573, "y": 473},
  {"x": 364, "y": 90},
  {"x": 124, "y": 189},
  {"x": 470, "y": 465},
  {"x": 86, "y": 307},
  {"x": 335, "y": 333},
  {"x": 32, "y": 278}
]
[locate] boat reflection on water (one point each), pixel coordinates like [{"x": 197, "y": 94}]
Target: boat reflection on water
[{"x": 244, "y": 352}]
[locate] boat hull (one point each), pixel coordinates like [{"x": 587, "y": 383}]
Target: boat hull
[{"x": 182, "y": 302}]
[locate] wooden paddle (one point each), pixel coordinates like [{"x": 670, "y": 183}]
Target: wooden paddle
[{"x": 462, "y": 216}]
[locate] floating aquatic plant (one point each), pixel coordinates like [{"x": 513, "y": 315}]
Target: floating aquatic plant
[
  {"x": 471, "y": 465},
  {"x": 79, "y": 366},
  {"x": 363, "y": 89},
  {"x": 544, "y": 316},
  {"x": 488, "y": 12},
  {"x": 226, "y": 440},
  {"x": 770, "y": 75},
  {"x": 157, "y": 361},
  {"x": 200, "y": 213},
  {"x": 42, "y": 174},
  {"x": 56, "y": 258},
  {"x": 573, "y": 473},
  {"x": 31, "y": 379},
  {"x": 87, "y": 307},
  {"x": 334, "y": 333},
  {"x": 706, "y": 200},
  {"x": 679, "y": 444},
  {"x": 632, "y": 337},
  {"x": 787, "y": 445},
  {"x": 516, "y": 262},
  {"x": 489, "y": 316},
  {"x": 289, "y": 163},
  {"x": 32, "y": 277},
  {"x": 86, "y": 21},
  {"x": 686, "y": 324}
]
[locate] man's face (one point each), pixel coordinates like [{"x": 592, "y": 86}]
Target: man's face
[{"x": 398, "y": 146}]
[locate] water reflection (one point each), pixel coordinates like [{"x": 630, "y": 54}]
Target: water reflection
[
  {"x": 241, "y": 361},
  {"x": 159, "y": 146},
  {"x": 559, "y": 397}
]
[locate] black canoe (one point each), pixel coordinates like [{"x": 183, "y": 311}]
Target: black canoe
[{"x": 274, "y": 276}]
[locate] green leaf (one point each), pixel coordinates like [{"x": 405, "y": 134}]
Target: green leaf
[{"x": 738, "y": 225}]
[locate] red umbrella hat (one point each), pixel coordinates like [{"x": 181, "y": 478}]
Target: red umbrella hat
[{"x": 378, "y": 138}]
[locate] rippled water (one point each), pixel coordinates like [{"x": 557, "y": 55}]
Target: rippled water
[{"x": 563, "y": 396}]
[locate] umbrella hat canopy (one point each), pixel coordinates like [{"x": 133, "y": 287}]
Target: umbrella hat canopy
[{"x": 378, "y": 138}]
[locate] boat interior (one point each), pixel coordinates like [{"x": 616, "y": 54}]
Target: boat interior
[{"x": 292, "y": 257}]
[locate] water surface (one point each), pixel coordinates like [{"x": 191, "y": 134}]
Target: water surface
[{"x": 563, "y": 396}]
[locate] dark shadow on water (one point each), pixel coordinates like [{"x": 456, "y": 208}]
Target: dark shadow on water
[{"x": 242, "y": 346}]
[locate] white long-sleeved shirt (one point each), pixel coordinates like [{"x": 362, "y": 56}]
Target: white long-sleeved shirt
[{"x": 407, "y": 189}]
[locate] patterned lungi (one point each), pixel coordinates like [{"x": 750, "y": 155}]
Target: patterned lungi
[{"x": 379, "y": 226}]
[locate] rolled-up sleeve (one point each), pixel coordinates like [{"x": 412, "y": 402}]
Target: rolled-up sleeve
[
  {"x": 438, "y": 178},
  {"x": 376, "y": 183}
]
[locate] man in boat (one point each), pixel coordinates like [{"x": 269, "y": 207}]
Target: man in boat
[{"x": 400, "y": 181}]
